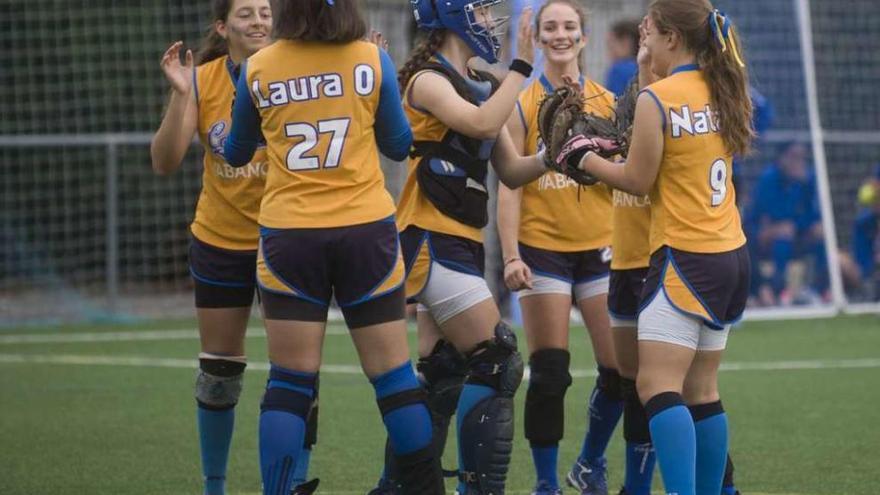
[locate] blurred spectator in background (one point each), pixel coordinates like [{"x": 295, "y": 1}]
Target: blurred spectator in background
[
  {"x": 622, "y": 44},
  {"x": 866, "y": 241},
  {"x": 785, "y": 232}
]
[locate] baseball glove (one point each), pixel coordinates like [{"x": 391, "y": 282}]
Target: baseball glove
[{"x": 568, "y": 133}]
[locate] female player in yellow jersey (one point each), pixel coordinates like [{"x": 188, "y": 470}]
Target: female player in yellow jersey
[
  {"x": 327, "y": 103},
  {"x": 688, "y": 125},
  {"x": 458, "y": 124},
  {"x": 555, "y": 238},
  {"x": 225, "y": 232}
]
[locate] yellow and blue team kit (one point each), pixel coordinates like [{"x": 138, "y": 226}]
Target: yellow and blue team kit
[
  {"x": 696, "y": 239},
  {"x": 631, "y": 255},
  {"x": 225, "y": 230},
  {"x": 327, "y": 221},
  {"x": 564, "y": 229},
  {"x": 455, "y": 165}
]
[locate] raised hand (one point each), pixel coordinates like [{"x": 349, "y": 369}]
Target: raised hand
[
  {"x": 377, "y": 39},
  {"x": 644, "y": 56},
  {"x": 178, "y": 75},
  {"x": 525, "y": 37}
]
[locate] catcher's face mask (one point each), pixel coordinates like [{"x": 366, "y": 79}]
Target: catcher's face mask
[{"x": 479, "y": 23}]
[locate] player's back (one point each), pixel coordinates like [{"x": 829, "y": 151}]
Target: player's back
[
  {"x": 693, "y": 202},
  {"x": 317, "y": 103}
]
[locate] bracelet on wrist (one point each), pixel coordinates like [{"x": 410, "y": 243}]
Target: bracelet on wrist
[
  {"x": 521, "y": 66},
  {"x": 511, "y": 259}
]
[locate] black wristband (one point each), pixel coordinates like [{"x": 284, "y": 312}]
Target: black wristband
[{"x": 521, "y": 66}]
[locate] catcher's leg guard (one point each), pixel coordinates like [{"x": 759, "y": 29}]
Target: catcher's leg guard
[
  {"x": 420, "y": 473},
  {"x": 442, "y": 373},
  {"x": 401, "y": 400},
  {"x": 545, "y": 397},
  {"x": 485, "y": 413}
]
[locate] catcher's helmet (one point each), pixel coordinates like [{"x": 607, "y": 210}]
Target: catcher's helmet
[{"x": 460, "y": 17}]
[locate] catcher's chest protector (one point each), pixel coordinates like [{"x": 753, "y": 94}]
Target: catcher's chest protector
[{"x": 452, "y": 172}]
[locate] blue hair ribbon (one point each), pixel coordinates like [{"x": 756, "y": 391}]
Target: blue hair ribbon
[
  {"x": 331, "y": 2},
  {"x": 720, "y": 26}
]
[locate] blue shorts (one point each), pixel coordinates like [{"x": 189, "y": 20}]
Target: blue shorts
[
  {"x": 624, "y": 293},
  {"x": 422, "y": 248},
  {"x": 223, "y": 278},
  {"x": 579, "y": 274},
  {"x": 712, "y": 287},
  {"x": 300, "y": 270}
]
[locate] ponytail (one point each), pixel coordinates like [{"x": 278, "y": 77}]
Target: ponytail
[
  {"x": 710, "y": 35},
  {"x": 419, "y": 56},
  {"x": 728, "y": 78}
]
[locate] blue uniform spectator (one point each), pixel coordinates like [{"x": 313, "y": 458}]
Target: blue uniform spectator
[
  {"x": 866, "y": 237},
  {"x": 784, "y": 224},
  {"x": 623, "y": 46}
]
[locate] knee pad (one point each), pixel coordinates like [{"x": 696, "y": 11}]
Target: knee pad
[
  {"x": 545, "y": 397},
  {"x": 443, "y": 373},
  {"x": 608, "y": 382},
  {"x": 220, "y": 379},
  {"x": 289, "y": 391},
  {"x": 496, "y": 363},
  {"x": 635, "y": 419},
  {"x": 401, "y": 400}
]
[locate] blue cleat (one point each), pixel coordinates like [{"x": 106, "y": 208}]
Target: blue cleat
[
  {"x": 307, "y": 488},
  {"x": 385, "y": 487},
  {"x": 544, "y": 488},
  {"x": 590, "y": 479}
]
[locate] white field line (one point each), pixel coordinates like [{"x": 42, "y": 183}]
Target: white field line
[
  {"x": 347, "y": 369},
  {"x": 127, "y": 336}
]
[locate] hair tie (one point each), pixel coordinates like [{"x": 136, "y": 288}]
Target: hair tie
[
  {"x": 724, "y": 35},
  {"x": 331, "y": 2}
]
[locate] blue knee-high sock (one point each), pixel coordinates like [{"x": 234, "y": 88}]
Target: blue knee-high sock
[
  {"x": 710, "y": 425},
  {"x": 672, "y": 431},
  {"x": 302, "y": 467},
  {"x": 471, "y": 395},
  {"x": 604, "y": 412},
  {"x": 215, "y": 437},
  {"x": 284, "y": 410},
  {"x": 406, "y": 417},
  {"x": 546, "y": 460},
  {"x": 640, "y": 460}
]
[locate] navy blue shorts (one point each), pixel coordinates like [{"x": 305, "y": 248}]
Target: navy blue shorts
[
  {"x": 422, "y": 247},
  {"x": 223, "y": 278},
  {"x": 575, "y": 267},
  {"x": 300, "y": 270},
  {"x": 625, "y": 292},
  {"x": 711, "y": 286}
]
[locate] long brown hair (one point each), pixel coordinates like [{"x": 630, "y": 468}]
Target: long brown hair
[
  {"x": 583, "y": 16},
  {"x": 213, "y": 45},
  {"x": 420, "y": 55},
  {"x": 318, "y": 20},
  {"x": 726, "y": 76}
]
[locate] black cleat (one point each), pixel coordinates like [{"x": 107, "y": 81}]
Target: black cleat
[{"x": 307, "y": 488}]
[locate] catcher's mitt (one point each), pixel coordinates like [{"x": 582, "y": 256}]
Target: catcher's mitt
[{"x": 561, "y": 116}]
